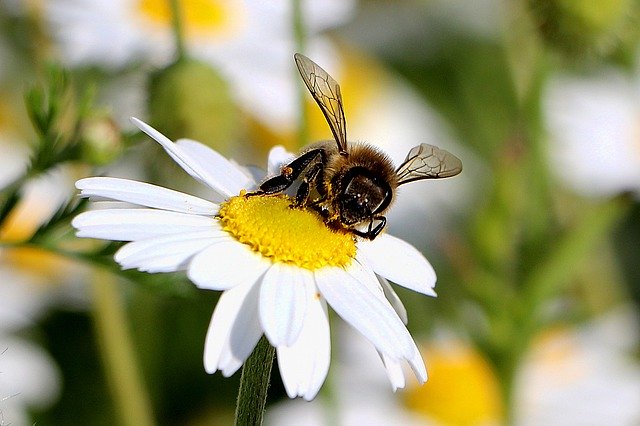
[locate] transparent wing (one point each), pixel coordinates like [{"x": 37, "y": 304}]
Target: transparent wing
[
  {"x": 326, "y": 91},
  {"x": 428, "y": 162}
]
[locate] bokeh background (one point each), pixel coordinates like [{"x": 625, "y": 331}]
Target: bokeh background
[{"x": 536, "y": 244}]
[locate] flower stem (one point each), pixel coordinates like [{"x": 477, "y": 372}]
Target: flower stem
[
  {"x": 553, "y": 274},
  {"x": 254, "y": 383},
  {"x": 178, "y": 29},
  {"x": 131, "y": 400},
  {"x": 300, "y": 37}
]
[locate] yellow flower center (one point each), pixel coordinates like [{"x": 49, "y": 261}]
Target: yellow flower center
[
  {"x": 204, "y": 18},
  {"x": 272, "y": 228}
]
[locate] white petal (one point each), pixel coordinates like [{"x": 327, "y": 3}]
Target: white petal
[
  {"x": 304, "y": 365},
  {"x": 283, "y": 302},
  {"x": 399, "y": 262},
  {"x": 219, "y": 173},
  {"x": 226, "y": 264},
  {"x": 363, "y": 306},
  {"x": 169, "y": 147},
  {"x": 417, "y": 364},
  {"x": 234, "y": 330},
  {"x": 144, "y": 194},
  {"x": 376, "y": 285},
  {"x": 393, "y": 298},
  {"x": 137, "y": 224},
  {"x": 394, "y": 372},
  {"x": 195, "y": 166},
  {"x": 278, "y": 157},
  {"x": 166, "y": 253}
]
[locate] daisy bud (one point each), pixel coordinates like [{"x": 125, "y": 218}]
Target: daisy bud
[
  {"x": 189, "y": 99},
  {"x": 101, "y": 140}
]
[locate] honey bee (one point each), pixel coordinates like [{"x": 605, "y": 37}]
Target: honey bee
[{"x": 351, "y": 185}]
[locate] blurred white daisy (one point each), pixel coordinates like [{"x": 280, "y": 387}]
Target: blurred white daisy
[
  {"x": 594, "y": 126},
  {"x": 583, "y": 376},
  {"x": 277, "y": 267},
  {"x": 29, "y": 378},
  {"x": 250, "y": 42}
]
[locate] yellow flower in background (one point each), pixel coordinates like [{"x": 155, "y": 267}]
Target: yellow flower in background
[
  {"x": 202, "y": 18},
  {"x": 462, "y": 390}
]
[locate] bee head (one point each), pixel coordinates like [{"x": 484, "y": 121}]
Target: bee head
[{"x": 362, "y": 195}]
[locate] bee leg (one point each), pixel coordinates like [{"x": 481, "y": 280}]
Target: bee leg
[
  {"x": 289, "y": 173},
  {"x": 372, "y": 232},
  {"x": 302, "y": 196}
]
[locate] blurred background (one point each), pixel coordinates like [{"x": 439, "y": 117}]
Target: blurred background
[{"x": 536, "y": 244}]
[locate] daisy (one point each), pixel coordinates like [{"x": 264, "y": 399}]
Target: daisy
[
  {"x": 248, "y": 41},
  {"x": 29, "y": 377},
  {"x": 594, "y": 127},
  {"x": 278, "y": 267},
  {"x": 583, "y": 375}
]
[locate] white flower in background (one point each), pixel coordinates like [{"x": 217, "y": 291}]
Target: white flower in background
[
  {"x": 28, "y": 376},
  {"x": 594, "y": 125},
  {"x": 13, "y": 160},
  {"x": 40, "y": 199},
  {"x": 583, "y": 376},
  {"x": 250, "y": 42},
  {"x": 29, "y": 284},
  {"x": 277, "y": 267}
]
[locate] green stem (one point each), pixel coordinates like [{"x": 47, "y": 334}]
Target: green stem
[
  {"x": 507, "y": 374},
  {"x": 178, "y": 29},
  {"x": 254, "y": 382},
  {"x": 11, "y": 199},
  {"x": 300, "y": 38},
  {"x": 570, "y": 250},
  {"x": 131, "y": 400}
]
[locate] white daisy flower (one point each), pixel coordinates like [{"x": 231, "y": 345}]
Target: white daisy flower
[
  {"x": 277, "y": 267},
  {"x": 248, "y": 41},
  {"x": 594, "y": 126},
  {"x": 587, "y": 375}
]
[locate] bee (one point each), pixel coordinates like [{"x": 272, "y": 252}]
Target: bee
[{"x": 351, "y": 185}]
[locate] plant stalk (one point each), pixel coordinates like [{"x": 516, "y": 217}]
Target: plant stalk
[{"x": 254, "y": 383}]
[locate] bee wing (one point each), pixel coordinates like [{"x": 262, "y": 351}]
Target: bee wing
[
  {"x": 326, "y": 91},
  {"x": 428, "y": 162}
]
